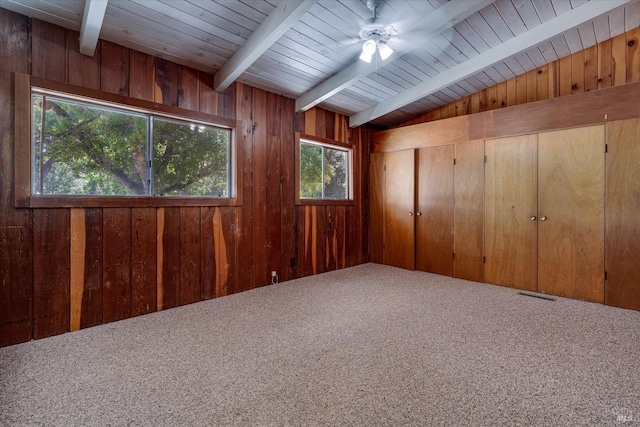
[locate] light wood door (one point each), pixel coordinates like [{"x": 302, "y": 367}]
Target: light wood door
[
  {"x": 571, "y": 213},
  {"x": 510, "y": 205},
  {"x": 623, "y": 211},
  {"x": 434, "y": 210},
  {"x": 469, "y": 210},
  {"x": 399, "y": 202}
]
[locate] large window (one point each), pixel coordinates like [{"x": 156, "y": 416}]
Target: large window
[
  {"x": 324, "y": 171},
  {"x": 80, "y": 147}
]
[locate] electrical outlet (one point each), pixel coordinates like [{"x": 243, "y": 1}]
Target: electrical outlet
[{"x": 273, "y": 274}]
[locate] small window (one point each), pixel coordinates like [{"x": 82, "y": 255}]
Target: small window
[{"x": 324, "y": 171}]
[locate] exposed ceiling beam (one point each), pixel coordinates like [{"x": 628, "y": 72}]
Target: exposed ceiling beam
[
  {"x": 440, "y": 20},
  {"x": 277, "y": 23},
  {"x": 94, "y": 11},
  {"x": 546, "y": 31}
]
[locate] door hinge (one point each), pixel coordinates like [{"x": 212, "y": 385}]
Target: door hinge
[
  {"x": 605, "y": 275},
  {"x": 454, "y": 255},
  {"x": 454, "y": 162},
  {"x": 384, "y": 167},
  {"x": 485, "y": 159},
  {"x": 606, "y": 148},
  {"x": 484, "y": 259}
]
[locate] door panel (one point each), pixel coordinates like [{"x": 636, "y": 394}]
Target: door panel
[
  {"x": 434, "y": 212},
  {"x": 469, "y": 210},
  {"x": 399, "y": 233},
  {"x": 376, "y": 192},
  {"x": 571, "y": 198},
  {"x": 622, "y": 205},
  {"x": 510, "y": 201}
]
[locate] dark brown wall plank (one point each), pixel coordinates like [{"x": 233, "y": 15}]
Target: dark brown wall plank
[
  {"x": 91, "y": 313},
  {"x": 244, "y": 107},
  {"x": 189, "y": 91},
  {"x": 142, "y": 75},
  {"x": 227, "y": 103},
  {"x": 287, "y": 194},
  {"x": 227, "y": 262},
  {"x": 166, "y": 82},
  {"x": 331, "y": 239},
  {"x": 116, "y": 281},
  {"x": 274, "y": 141},
  {"x": 261, "y": 275},
  {"x": 48, "y": 55},
  {"x": 171, "y": 258},
  {"x": 208, "y": 258},
  {"x": 143, "y": 261},
  {"x": 83, "y": 70},
  {"x": 189, "y": 255},
  {"x": 208, "y": 97},
  {"x": 114, "y": 68},
  {"x": 51, "y": 272},
  {"x": 16, "y": 274}
]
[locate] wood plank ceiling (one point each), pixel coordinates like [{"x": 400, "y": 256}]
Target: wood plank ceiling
[{"x": 313, "y": 55}]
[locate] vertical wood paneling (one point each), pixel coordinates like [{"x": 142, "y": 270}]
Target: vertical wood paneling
[
  {"x": 208, "y": 97},
  {"x": 605, "y": 64},
  {"x": 166, "y": 82},
  {"x": 48, "y": 55},
  {"x": 619, "y": 59},
  {"x": 591, "y": 68},
  {"x": 532, "y": 86},
  {"x": 113, "y": 263},
  {"x": 189, "y": 255},
  {"x": 114, "y": 68},
  {"x": 542, "y": 83},
  {"x": 143, "y": 261},
  {"x": 512, "y": 94},
  {"x": 141, "y": 75},
  {"x": 260, "y": 188},
  {"x": 51, "y": 272},
  {"x": 92, "y": 310},
  {"x": 16, "y": 273},
  {"x": 376, "y": 233},
  {"x": 188, "y": 92},
  {"x": 287, "y": 193},
  {"x": 521, "y": 89},
  {"x": 83, "y": 70},
  {"x": 244, "y": 109},
  {"x": 170, "y": 242},
  {"x": 116, "y": 295},
  {"x": 273, "y": 174}
]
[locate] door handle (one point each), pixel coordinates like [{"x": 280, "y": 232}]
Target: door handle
[
  {"x": 543, "y": 218},
  {"x": 532, "y": 218},
  {"x": 410, "y": 213},
  {"x": 418, "y": 213}
]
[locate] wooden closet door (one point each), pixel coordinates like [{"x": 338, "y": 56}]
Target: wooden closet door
[
  {"x": 510, "y": 212},
  {"x": 399, "y": 202},
  {"x": 622, "y": 207},
  {"x": 571, "y": 213},
  {"x": 434, "y": 211}
]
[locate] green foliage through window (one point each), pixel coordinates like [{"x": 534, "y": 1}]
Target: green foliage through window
[
  {"x": 324, "y": 172},
  {"x": 80, "y": 148}
]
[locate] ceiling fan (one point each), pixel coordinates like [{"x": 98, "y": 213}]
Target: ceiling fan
[{"x": 375, "y": 36}]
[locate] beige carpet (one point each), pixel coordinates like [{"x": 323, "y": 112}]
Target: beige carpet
[{"x": 370, "y": 345}]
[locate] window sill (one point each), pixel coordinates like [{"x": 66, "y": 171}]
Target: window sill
[
  {"x": 122, "y": 202},
  {"x": 324, "y": 202}
]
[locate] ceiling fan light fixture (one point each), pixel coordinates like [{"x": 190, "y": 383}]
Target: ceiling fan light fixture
[
  {"x": 368, "y": 49},
  {"x": 385, "y": 51}
]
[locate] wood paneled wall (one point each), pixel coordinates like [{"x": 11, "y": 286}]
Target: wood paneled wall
[
  {"x": 612, "y": 62},
  {"x": 65, "y": 269}
]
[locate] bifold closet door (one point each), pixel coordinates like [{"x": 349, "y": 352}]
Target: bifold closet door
[
  {"x": 571, "y": 213},
  {"x": 623, "y": 211},
  {"x": 511, "y": 212},
  {"x": 399, "y": 201},
  {"x": 434, "y": 210}
]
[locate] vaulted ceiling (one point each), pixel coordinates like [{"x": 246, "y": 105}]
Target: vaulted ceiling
[{"x": 308, "y": 50}]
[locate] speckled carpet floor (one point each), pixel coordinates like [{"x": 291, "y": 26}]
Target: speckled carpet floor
[{"x": 370, "y": 345}]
